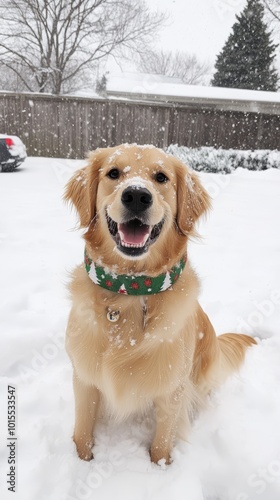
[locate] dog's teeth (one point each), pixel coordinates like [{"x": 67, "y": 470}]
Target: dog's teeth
[
  {"x": 146, "y": 237},
  {"x": 133, "y": 245}
]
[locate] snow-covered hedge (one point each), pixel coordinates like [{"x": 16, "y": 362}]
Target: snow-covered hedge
[{"x": 207, "y": 159}]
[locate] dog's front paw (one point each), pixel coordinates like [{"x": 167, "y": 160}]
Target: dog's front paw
[
  {"x": 85, "y": 454},
  {"x": 159, "y": 455},
  {"x": 84, "y": 449}
]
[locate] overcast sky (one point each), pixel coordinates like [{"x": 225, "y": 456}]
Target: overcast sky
[{"x": 198, "y": 26}]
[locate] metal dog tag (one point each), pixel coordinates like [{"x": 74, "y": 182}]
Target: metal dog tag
[{"x": 113, "y": 316}]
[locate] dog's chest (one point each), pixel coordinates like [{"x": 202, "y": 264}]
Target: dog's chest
[
  {"x": 132, "y": 348},
  {"x": 131, "y": 357}
]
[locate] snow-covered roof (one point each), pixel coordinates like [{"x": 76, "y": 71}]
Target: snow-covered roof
[{"x": 149, "y": 87}]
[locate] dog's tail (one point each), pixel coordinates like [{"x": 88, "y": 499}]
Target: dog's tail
[
  {"x": 231, "y": 351},
  {"x": 215, "y": 357}
]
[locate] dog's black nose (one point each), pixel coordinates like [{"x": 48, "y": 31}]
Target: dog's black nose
[{"x": 137, "y": 199}]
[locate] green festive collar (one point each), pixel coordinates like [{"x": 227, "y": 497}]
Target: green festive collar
[{"x": 133, "y": 284}]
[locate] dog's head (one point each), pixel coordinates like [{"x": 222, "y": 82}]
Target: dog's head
[{"x": 137, "y": 200}]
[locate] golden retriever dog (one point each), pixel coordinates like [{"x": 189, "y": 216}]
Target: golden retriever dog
[{"x": 137, "y": 336}]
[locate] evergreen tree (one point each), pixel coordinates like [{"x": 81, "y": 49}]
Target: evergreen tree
[{"x": 246, "y": 59}]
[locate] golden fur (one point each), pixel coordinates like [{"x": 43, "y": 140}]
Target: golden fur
[{"x": 163, "y": 349}]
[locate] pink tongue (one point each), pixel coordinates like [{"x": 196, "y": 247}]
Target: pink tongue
[{"x": 134, "y": 233}]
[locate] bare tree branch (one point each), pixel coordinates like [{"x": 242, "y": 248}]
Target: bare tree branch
[
  {"x": 273, "y": 9},
  {"x": 55, "y": 40},
  {"x": 176, "y": 64}
]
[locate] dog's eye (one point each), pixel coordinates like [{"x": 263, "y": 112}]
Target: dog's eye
[
  {"x": 114, "y": 173},
  {"x": 161, "y": 177}
]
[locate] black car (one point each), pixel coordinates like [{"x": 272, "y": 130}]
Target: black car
[{"x": 12, "y": 152}]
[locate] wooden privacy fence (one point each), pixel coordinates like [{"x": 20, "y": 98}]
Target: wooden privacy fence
[{"x": 68, "y": 127}]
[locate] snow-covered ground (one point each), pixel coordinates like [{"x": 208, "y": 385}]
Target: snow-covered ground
[{"x": 233, "y": 451}]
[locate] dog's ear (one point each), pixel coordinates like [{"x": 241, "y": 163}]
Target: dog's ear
[
  {"x": 81, "y": 190},
  {"x": 192, "y": 199}
]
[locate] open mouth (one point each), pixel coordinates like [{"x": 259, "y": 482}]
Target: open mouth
[{"x": 133, "y": 237}]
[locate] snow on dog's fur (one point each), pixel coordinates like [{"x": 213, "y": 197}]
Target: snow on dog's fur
[{"x": 163, "y": 349}]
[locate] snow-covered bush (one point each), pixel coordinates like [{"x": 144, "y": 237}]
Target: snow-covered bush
[{"x": 208, "y": 159}]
